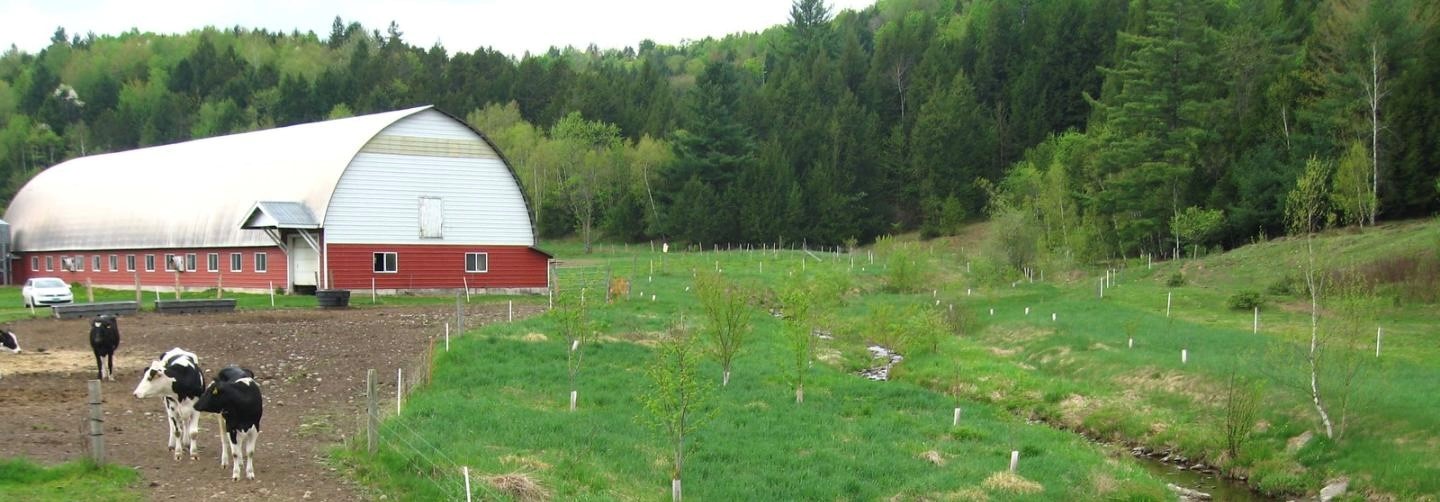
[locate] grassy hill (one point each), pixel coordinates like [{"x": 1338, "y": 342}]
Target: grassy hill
[{"x": 498, "y": 400}]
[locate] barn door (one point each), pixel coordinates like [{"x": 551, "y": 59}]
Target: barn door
[{"x": 304, "y": 263}]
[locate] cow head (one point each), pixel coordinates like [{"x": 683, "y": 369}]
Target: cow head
[
  {"x": 104, "y": 321},
  {"x": 159, "y": 378},
  {"x": 154, "y": 382},
  {"x": 8, "y": 341}
]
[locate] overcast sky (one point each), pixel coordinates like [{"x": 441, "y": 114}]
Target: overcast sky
[{"x": 510, "y": 26}]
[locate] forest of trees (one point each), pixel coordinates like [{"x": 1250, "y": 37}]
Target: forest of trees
[{"x": 1103, "y": 127}]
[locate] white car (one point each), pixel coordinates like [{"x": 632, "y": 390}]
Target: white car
[{"x": 46, "y": 291}]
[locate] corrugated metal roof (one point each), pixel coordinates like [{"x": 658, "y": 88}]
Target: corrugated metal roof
[
  {"x": 273, "y": 214},
  {"x": 192, "y": 194}
]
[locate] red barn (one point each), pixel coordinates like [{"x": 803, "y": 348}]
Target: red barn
[{"x": 405, "y": 200}]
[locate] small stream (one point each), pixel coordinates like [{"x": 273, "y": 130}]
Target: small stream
[
  {"x": 1219, "y": 488},
  {"x": 1163, "y": 466}
]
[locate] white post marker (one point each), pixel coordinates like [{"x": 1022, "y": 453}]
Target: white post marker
[
  {"x": 372, "y": 290},
  {"x": 573, "y": 395},
  {"x": 957, "y": 416},
  {"x": 1378, "y": 331},
  {"x": 1102, "y": 288},
  {"x": 1131, "y": 343},
  {"x": 465, "y": 470},
  {"x": 399, "y": 388},
  {"x": 992, "y": 311},
  {"x": 652, "y": 298},
  {"x": 1027, "y": 310},
  {"x": 272, "y": 293},
  {"x": 447, "y": 337},
  {"x": 1052, "y": 317},
  {"x": 1014, "y": 460},
  {"x": 967, "y": 291},
  {"x": 1167, "y": 303},
  {"x": 1255, "y": 326},
  {"x": 1184, "y": 356}
]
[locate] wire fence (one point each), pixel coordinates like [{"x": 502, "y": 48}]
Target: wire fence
[{"x": 399, "y": 435}]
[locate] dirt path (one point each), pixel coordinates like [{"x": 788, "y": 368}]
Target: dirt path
[{"x": 311, "y": 366}]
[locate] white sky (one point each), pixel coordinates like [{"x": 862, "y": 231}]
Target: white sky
[{"x": 510, "y": 26}]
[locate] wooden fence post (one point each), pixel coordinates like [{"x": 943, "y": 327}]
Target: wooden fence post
[
  {"x": 372, "y": 421},
  {"x": 97, "y": 421}
]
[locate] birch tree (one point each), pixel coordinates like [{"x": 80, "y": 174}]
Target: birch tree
[
  {"x": 727, "y": 314},
  {"x": 677, "y": 402}
]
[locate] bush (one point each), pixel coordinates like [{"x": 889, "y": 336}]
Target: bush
[
  {"x": 1176, "y": 279},
  {"x": 1245, "y": 300},
  {"x": 1284, "y": 286}
]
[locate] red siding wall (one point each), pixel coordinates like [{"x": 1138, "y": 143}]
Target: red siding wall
[
  {"x": 199, "y": 279},
  {"x": 436, "y": 266}
]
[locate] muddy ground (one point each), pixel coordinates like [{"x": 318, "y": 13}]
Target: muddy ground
[{"x": 310, "y": 364}]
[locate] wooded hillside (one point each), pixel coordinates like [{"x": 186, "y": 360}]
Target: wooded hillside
[{"x": 1102, "y": 127}]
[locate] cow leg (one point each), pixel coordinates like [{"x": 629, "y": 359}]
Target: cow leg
[
  {"x": 99, "y": 367},
  {"x": 192, "y": 430},
  {"x": 224, "y": 444},
  {"x": 235, "y": 449},
  {"x": 169, "y": 425},
  {"x": 251, "y": 436},
  {"x": 111, "y": 359}
]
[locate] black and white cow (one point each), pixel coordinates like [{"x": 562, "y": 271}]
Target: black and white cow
[
  {"x": 9, "y": 342},
  {"x": 104, "y": 339},
  {"x": 228, "y": 374},
  {"x": 240, "y": 405},
  {"x": 176, "y": 377}
]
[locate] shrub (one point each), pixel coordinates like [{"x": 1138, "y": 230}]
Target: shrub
[
  {"x": 1176, "y": 279},
  {"x": 1284, "y": 286},
  {"x": 1245, "y": 300},
  {"x": 905, "y": 273}
]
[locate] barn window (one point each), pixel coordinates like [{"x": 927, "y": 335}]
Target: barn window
[
  {"x": 95, "y": 263},
  {"x": 432, "y": 217},
  {"x": 49, "y": 263},
  {"x": 235, "y": 262},
  {"x": 170, "y": 263},
  {"x": 262, "y": 262},
  {"x": 387, "y": 262},
  {"x": 114, "y": 263},
  {"x": 477, "y": 262},
  {"x": 35, "y": 263},
  {"x": 149, "y": 263},
  {"x": 212, "y": 262},
  {"x": 190, "y": 262},
  {"x": 67, "y": 263},
  {"x": 129, "y": 263},
  {"x": 79, "y": 264}
]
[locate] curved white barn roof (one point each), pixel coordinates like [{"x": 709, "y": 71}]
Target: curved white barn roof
[{"x": 191, "y": 194}]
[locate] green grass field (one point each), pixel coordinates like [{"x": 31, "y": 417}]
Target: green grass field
[
  {"x": 23, "y": 481},
  {"x": 498, "y": 403}
]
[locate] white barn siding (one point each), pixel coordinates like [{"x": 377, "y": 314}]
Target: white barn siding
[{"x": 377, "y": 200}]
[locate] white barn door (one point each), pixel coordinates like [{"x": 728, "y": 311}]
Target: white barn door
[{"x": 304, "y": 263}]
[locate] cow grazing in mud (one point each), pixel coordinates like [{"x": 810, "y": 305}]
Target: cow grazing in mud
[
  {"x": 9, "y": 342},
  {"x": 240, "y": 405},
  {"x": 104, "y": 339},
  {"x": 177, "y": 378},
  {"x": 228, "y": 374}
]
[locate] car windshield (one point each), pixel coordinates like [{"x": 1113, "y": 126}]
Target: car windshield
[{"x": 50, "y": 283}]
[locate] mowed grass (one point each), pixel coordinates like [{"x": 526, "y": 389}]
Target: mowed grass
[
  {"x": 11, "y": 302},
  {"x": 498, "y": 404},
  {"x": 21, "y": 480}
]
